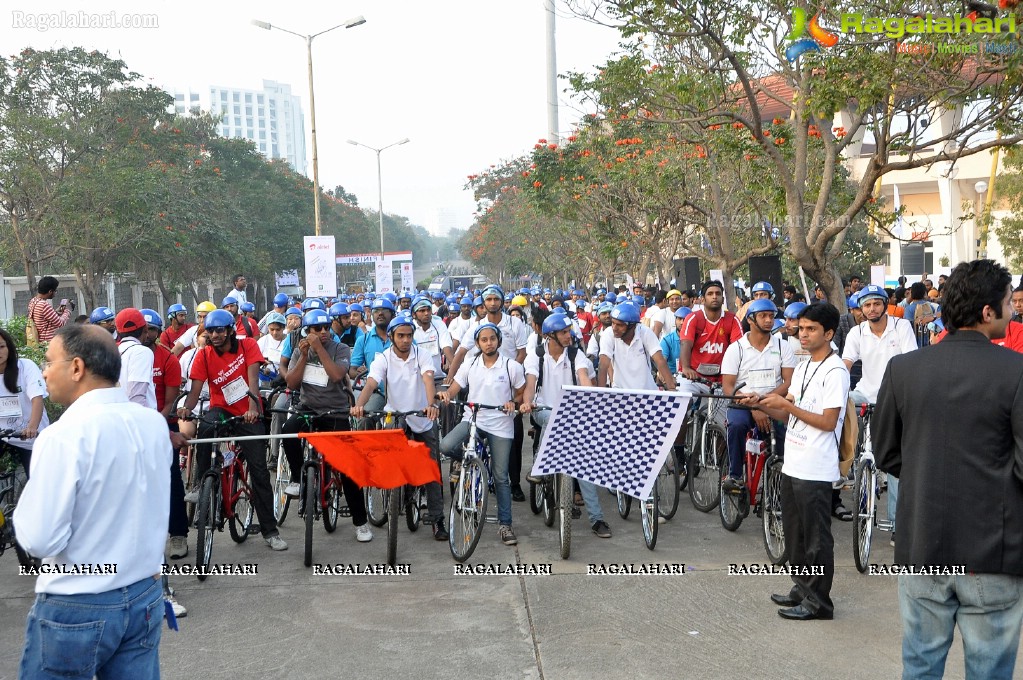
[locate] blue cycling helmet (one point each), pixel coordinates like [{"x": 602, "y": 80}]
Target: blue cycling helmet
[
  {"x": 356, "y": 307},
  {"x": 758, "y": 306},
  {"x": 492, "y": 291},
  {"x": 854, "y": 301},
  {"x": 604, "y": 307},
  {"x": 229, "y": 300},
  {"x": 760, "y": 286},
  {"x": 478, "y": 301},
  {"x": 508, "y": 297},
  {"x": 390, "y": 296},
  {"x": 293, "y": 311},
  {"x": 101, "y": 314},
  {"x": 315, "y": 317},
  {"x": 555, "y": 323},
  {"x": 482, "y": 327},
  {"x": 175, "y": 308},
  {"x": 400, "y": 320},
  {"x": 247, "y": 307},
  {"x": 682, "y": 312},
  {"x": 523, "y": 291},
  {"x": 421, "y": 303},
  {"x": 152, "y": 317},
  {"x": 312, "y": 303},
  {"x": 405, "y": 295},
  {"x": 559, "y": 311},
  {"x": 219, "y": 318},
  {"x": 601, "y": 291},
  {"x": 794, "y": 309},
  {"x": 872, "y": 291},
  {"x": 778, "y": 323},
  {"x": 338, "y": 309},
  {"x": 580, "y": 304},
  {"x": 626, "y": 312},
  {"x": 455, "y": 307},
  {"x": 612, "y": 298},
  {"x": 466, "y": 301},
  {"x": 382, "y": 303},
  {"x": 369, "y": 296},
  {"x": 280, "y": 299}
]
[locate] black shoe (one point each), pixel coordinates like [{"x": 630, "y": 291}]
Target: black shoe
[
  {"x": 842, "y": 513},
  {"x": 601, "y": 529},
  {"x": 731, "y": 485},
  {"x": 785, "y": 601},
  {"x": 517, "y": 494},
  {"x": 439, "y": 532},
  {"x": 801, "y": 613}
]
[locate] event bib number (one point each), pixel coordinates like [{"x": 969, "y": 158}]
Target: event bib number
[
  {"x": 235, "y": 391},
  {"x": 762, "y": 379},
  {"x": 10, "y": 407},
  {"x": 315, "y": 375}
]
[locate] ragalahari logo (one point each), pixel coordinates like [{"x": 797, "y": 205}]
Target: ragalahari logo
[{"x": 819, "y": 37}]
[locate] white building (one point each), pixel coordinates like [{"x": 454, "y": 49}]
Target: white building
[{"x": 271, "y": 118}]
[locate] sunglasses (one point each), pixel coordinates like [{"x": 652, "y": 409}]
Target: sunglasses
[
  {"x": 217, "y": 331},
  {"x": 319, "y": 328}
]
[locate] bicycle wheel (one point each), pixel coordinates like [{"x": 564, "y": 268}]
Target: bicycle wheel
[
  {"x": 705, "y": 468},
  {"x": 206, "y": 523},
  {"x": 668, "y": 488},
  {"x": 333, "y": 501},
  {"x": 535, "y": 498},
  {"x": 774, "y": 534},
  {"x": 865, "y": 499},
  {"x": 312, "y": 500},
  {"x": 649, "y": 519},
  {"x": 188, "y": 475},
  {"x": 733, "y": 508},
  {"x": 565, "y": 514},
  {"x": 240, "y": 522},
  {"x": 414, "y": 507},
  {"x": 393, "y": 512},
  {"x": 548, "y": 502},
  {"x": 376, "y": 506},
  {"x": 682, "y": 465},
  {"x": 468, "y": 510},
  {"x": 624, "y": 504},
  {"x": 282, "y": 477}
]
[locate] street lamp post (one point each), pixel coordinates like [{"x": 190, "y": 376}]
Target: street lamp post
[
  {"x": 380, "y": 185},
  {"x": 351, "y": 23}
]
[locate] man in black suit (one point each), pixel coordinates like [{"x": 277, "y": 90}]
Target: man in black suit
[{"x": 949, "y": 424}]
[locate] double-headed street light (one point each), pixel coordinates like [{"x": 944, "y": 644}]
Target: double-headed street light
[
  {"x": 380, "y": 190},
  {"x": 351, "y": 23}
]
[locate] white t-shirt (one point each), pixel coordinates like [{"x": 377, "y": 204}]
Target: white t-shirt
[
  {"x": 513, "y": 337},
  {"x": 492, "y": 386},
  {"x": 457, "y": 327},
  {"x": 187, "y": 358},
  {"x": 556, "y": 374},
  {"x": 812, "y": 454},
  {"x": 632, "y": 363},
  {"x": 187, "y": 338},
  {"x": 16, "y": 409},
  {"x": 761, "y": 371},
  {"x": 403, "y": 383},
  {"x": 431, "y": 342},
  {"x": 271, "y": 348},
  {"x": 137, "y": 367},
  {"x": 875, "y": 353}
]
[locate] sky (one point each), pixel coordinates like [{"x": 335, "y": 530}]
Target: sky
[{"x": 464, "y": 80}]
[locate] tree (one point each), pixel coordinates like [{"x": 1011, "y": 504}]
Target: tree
[{"x": 1010, "y": 230}]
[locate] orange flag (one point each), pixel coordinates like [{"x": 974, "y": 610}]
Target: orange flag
[{"x": 381, "y": 458}]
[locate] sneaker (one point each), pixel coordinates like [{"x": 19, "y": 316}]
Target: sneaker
[
  {"x": 178, "y": 547},
  {"x": 731, "y": 485},
  {"x": 276, "y": 542},
  {"x": 293, "y": 489},
  {"x": 601, "y": 529},
  {"x": 363, "y": 534},
  {"x": 516, "y": 493},
  {"x": 456, "y": 472},
  {"x": 439, "y": 532},
  {"x": 192, "y": 496},
  {"x": 507, "y": 535},
  {"x": 177, "y": 607}
]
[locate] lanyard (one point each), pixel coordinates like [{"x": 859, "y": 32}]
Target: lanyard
[{"x": 807, "y": 381}]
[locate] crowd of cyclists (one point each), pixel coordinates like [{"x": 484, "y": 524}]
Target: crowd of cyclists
[{"x": 412, "y": 351}]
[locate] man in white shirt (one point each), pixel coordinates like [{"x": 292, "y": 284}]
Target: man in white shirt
[
  {"x": 557, "y": 362},
  {"x": 98, "y": 499},
  {"x": 431, "y": 336},
  {"x": 628, "y": 350},
  {"x": 461, "y": 322},
  {"x": 820, "y": 388},
  {"x": 239, "y": 284},
  {"x": 136, "y": 376}
]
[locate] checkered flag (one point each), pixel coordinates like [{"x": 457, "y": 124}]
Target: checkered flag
[{"x": 614, "y": 438}]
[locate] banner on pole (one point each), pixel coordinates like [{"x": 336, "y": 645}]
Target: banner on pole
[
  {"x": 618, "y": 439},
  {"x": 320, "y": 270},
  {"x": 408, "y": 278},
  {"x": 384, "y": 277}
]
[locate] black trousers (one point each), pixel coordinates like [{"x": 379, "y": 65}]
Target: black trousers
[
  {"x": 177, "y": 523},
  {"x": 806, "y": 520}
]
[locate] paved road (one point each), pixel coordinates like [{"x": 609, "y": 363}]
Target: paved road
[{"x": 287, "y": 622}]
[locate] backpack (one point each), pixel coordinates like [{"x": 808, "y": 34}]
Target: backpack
[
  {"x": 31, "y": 332},
  {"x": 573, "y": 351}
]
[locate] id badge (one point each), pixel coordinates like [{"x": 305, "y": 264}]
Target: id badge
[
  {"x": 754, "y": 446},
  {"x": 235, "y": 391},
  {"x": 316, "y": 375},
  {"x": 10, "y": 407}
]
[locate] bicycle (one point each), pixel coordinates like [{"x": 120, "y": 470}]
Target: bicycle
[
  {"x": 224, "y": 494},
  {"x": 468, "y": 511},
  {"x": 12, "y": 483},
  {"x": 707, "y": 447},
  {"x": 867, "y": 490},
  {"x": 762, "y": 474},
  {"x": 186, "y": 460},
  {"x": 276, "y": 460}
]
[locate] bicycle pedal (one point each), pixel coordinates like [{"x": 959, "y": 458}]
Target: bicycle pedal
[{"x": 344, "y": 512}]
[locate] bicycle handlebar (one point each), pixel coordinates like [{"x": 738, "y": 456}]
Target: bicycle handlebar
[
  {"x": 396, "y": 414},
  {"x": 481, "y": 407},
  {"x": 11, "y": 434},
  {"x": 216, "y": 423}
]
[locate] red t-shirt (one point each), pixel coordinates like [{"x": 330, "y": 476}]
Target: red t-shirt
[
  {"x": 166, "y": 371},
  {"x": 227, "y": 372},
  {"x": 1013, "y": 337},
  {"x": 170, "y": 336},
  {"x": 245, "y": 327},
  {"x": 710, "y": 339}
]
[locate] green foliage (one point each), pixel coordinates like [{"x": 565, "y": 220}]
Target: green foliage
[
  {"x": 16, "y": 327},
  {"x": 1009, "y": 187}
]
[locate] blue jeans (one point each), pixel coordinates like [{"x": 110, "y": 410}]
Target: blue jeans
[
  {"x": 500, "y": 455},
  {"x": 115, "y": 634},
  {"x": 893, "y": 498},
  {"x": 587, "y": 489},
  {"x": 740, "y": 424},
  {"x": 988, "y": 609}
]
